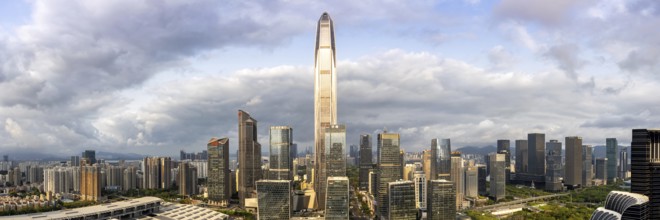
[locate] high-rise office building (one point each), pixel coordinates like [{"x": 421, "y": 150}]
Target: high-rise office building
[
  {"x": 481, "y": 172},
  {"x": 612, "y": 152},
  {"x": 426, "y": 163},
  {"x": 401, "y": 201},
  {"x": 334, "y": 159},
  {"x": 281, "y": 162},
  {"x": 522, "y": 160},
  {"x": 219, "y": 179},
  {"x": 553, "y": 166},
  {"x": 471, "y": 182},
  {"x": 497, "y": 176},
  {"x": 440, "y": 158},
  {"x": 623, "y": 164},
  {"x": 645, "y": 167},
  {"x": 157, "y": 172},
  {"x": 337, "y": 200},
  {"x": 441, "y": 200},
  {"x": 273, "y": 199},
  {"x": 249, "y": 157},
  {"x": 456, "y": 177},
  {"x": 325, "y": 97},
  {"x": 90, "y": 182},
  {"x": 389, "y": 168},
  {"x": 504, "y": 147},
  {"x": 373, "y": 182},
  {"x": 90, "y": 156},
  {"x": 366, "y": 163},
  {"x": 355, "y": 154},
  {"x": 574, "y": 164},
  {"x": 335, "y": 150},
  {"x": 601, "y": 169},
  {"x": 587, "y": 167},
  {"x": 420, "y": 189},
  {"x": 623, "y": 205},
  {"x": 187, "y": 179},
  {"x": 536, "y": 153}
]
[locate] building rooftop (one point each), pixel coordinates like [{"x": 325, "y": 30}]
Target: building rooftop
[
  {"x": 85, "y": 210},
  {"x": 171, "y": 211}
]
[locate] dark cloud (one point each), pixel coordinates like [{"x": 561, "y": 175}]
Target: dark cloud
[{"x": 549, "y": 13}]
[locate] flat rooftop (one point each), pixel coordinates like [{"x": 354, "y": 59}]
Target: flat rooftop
[{"x": 65, "y": 213}]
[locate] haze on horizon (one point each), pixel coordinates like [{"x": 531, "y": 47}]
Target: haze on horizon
[{"x": 152, "y": 77}]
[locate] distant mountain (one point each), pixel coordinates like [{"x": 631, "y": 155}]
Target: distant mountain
[
  {"x": 23, "y": 155},
  {"x": 477, "y": 150},
  {"x": 119, "y": 156}
]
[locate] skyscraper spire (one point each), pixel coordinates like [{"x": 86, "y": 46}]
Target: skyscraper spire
[{"x": 325, "y": 99}]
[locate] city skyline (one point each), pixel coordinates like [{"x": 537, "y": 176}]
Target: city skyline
[{"x": 145, "y": 105}]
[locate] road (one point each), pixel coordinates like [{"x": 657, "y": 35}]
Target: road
[
  {"x": 519, "y": 201},
  {"x": 356, "y": 212}
]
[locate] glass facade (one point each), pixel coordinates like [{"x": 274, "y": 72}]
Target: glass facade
[
  {"x": 219, "y": 180},
  {"x": 389, "y": 168},
  {"x": 441, "y": 158},
  {"x": 335, "y": 150},
  {"x": 281, "y": 163},
  {"x": 325, "y": 99},
  {"x": 273, "y": 199},
  {"x": 337, "y": 202},
  {"x": 402, "y": 200},
  {"x": 441, "y": 200}
]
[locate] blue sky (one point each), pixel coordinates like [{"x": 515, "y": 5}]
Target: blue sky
[{"x": 153, "y": 77}]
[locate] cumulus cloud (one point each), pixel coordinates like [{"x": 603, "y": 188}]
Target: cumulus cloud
[{"x": 64, "y": 76}]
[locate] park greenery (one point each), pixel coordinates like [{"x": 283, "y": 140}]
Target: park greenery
[
  {"x": 579, "y": 204},
  {"x": 238, "y": 213}
]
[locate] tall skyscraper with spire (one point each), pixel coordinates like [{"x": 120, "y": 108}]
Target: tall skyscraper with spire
[
  {"x": 249, "y": 157},
  {"x": 325, "y": 99}
]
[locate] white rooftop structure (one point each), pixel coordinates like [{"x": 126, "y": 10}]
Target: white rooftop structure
[
  {"x": 127, "y": 209},
  {"x": 172, "y": 211}
]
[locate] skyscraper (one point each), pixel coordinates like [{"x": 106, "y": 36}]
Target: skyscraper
[
  {"x": 249, "y": 157},
  {"x": 90, "y": 182},
  {"x": 420, "y": 189},
  {"x": 481, "y": 169},
  {"x": 273, "y": 199},
  {"x": 457, "y": 173},
  {"x": 335, "y": 150},
  {"x": 75, "y": 161},
  {"x": 601, "y": 169},
  {"x": 187, "y": 179},
  {"x": 522, "y": 160},
  {"x": 389, "y": 168},
  {"x": 471, "y": 182},
  {"x": 554, "y": 166},
  {"x": 612, "y": 146},
  {"x": 426, "y": 163},
  {"x": 623, "y": 163},
  {"x": 574, "y": 165},
  {"x": 401, "y": 201},
  {"x": 90, "y": 156},
  {"x": 281, "y": 162},
  {"x": 157, "y": 172},
  {"x": 645, "y": 167},
  {"x": 337, "y": 200},
  {"x": 441, "y": 200},
  {"x": 219, "y": 180},
  {"x": 497, "y": 176},
  {"x": 325, "y": 97},
  {"x": 366, "y": 162},
  {"x": 440, "y": 158},
  {"x": 536, "y": 152},
  {"x": 504, "y": 147},
  {"x": 587, "y": 167}
]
